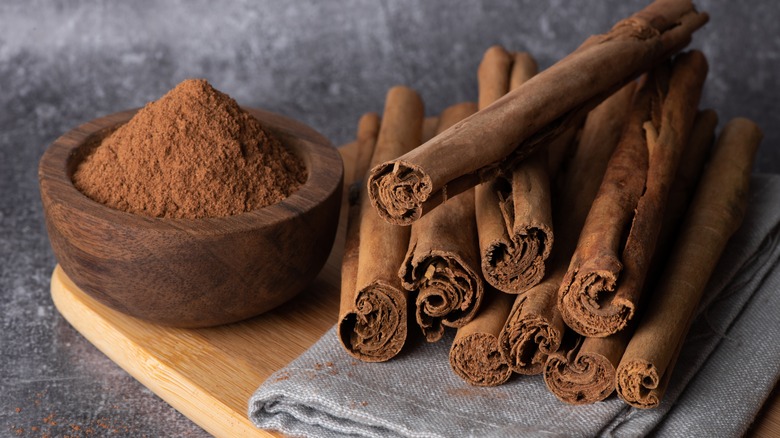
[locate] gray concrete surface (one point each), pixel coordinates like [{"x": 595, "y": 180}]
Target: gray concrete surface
[{"x": 323, "y": 62}]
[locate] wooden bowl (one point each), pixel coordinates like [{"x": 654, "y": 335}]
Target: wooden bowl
[{"x": 192, "y": 272}]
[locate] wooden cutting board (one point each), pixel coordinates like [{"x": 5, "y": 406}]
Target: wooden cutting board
[{"x": 209, "y": 374}]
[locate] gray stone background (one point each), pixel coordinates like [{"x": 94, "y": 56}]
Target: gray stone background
[{"x": 323, "y": 62}]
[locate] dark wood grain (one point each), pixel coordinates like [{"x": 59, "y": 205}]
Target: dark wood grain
[{"x": 192, "y": 272}]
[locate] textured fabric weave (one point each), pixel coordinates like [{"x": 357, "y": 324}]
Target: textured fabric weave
[{"x": 728, "y": 367}]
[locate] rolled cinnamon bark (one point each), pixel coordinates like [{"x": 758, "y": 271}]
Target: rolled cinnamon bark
[
  {"x": 513, "y": 212},
  {"x": 479, "y": 147},
  {"x": 474, "y": 354},
  {"x": 493, "y": 77},
  {"x": 373, "y": 314},
  {"x": 585, "y": 373},
  {"x": 534, "y": 328},
  {"x": 559, "y": 151},
  {"x": 632, "y": 197},
  {"x": 692, "y": 161},
  {"x": 442, "y": 263},
  {"x": 715, "y": 213},
  {"x": 600, "y": 135},
  {"x": 368, "y": 129},
  {"x": 367, "y": 132},
  {"x": 430, "y": 126}
]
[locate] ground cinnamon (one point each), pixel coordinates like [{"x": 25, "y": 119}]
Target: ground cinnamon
[{"x": 193, "y": 153}]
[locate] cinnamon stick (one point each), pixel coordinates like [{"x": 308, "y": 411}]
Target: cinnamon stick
[
  {"x": 493, "y": 77},
  {"x": 368, "y": 129},
  {"x": 534, "y": 328},
  {"x": 585, "y": 373},
  {"x": 367, "y": 132},
  {"x": 479, "y": 147},
  {"x": 373, "y": 314},
  {"x": 559, "y": 150},
  {"x": 514, "y": 217},
  {"x": 692, "y": 161},
  {"x": 474, "y": 354},
  {"x": 442, "y": 263},
  {"x": 430, "y": 126},
  {"x": 715, "y": 213},
  {"x": 632, "y": 197}
]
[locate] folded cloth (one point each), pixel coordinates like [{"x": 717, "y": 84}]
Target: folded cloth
[{"x": 728, "y": 367}]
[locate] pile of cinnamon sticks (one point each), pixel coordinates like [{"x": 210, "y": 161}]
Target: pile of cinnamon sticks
[{"x": 565, "y": 225}]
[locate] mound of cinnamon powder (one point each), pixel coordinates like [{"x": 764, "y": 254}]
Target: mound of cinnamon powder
[{"x": 193, "y": 153}]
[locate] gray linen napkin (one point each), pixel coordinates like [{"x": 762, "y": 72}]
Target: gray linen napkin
[{"x": 730, "y": 364}]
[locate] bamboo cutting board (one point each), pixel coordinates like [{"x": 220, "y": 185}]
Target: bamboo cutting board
[{"x": 209, "y": 374}]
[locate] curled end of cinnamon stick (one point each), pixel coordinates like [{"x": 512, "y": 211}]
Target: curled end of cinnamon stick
[
  {"x": 375, "y": 329},
  {"x": 528, "y": 342},
  {"x": 588, "y": 378},
  {"x": 449, "y": 293},
  {"x": 529, "y": 336},
  {"x": 398, "y": 190},
  {"x": 637, "y": 383},
  {"x": 514, "y": 266},
  {"x": 588, "y": 302},
  {"x": 476, "y": 359}
]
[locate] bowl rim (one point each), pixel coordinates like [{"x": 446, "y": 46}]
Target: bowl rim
[{"x": 322, "y": 160}]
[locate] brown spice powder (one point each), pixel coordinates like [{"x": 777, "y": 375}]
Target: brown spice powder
[{"x": 193, "y": 153}]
